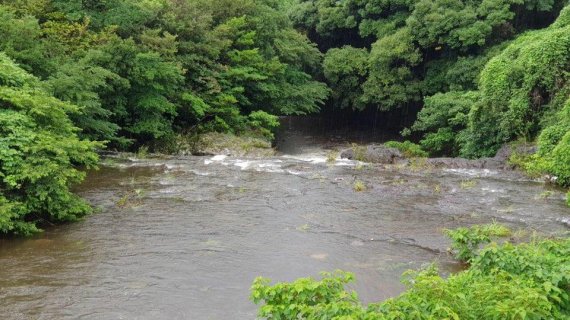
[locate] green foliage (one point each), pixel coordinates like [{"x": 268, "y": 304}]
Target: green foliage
[
  {"x": 461, "y": 73},
  {"x": 255, "y": 62},
  {"x": 391, "y": 81},
  {"x": 457, "y": 24},
  {"x": 39, "y": 154},
  {"x": 408, "y": 149},
  {"x": 517, "y": 86},
  {"x": 143, "y": 71},
  {"x": 466, "y": 241},
  {"x": 345, "y": 70},
  {"x": 417, "y": 48},
  {"x": 83, "y": 85},
  {"x": 150, "y": 109},
  {"x": 444, "y": 115},
  {"x": 525, "y": 281},
  {"x": 306, "y": 298},
  {"x": 20, "y": 36},
  {"x": 553, "y": 156},
  {"x": 262, "y": 123}
]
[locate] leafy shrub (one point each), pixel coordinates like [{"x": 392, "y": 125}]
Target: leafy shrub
[
  {"x": 466, "y": 241},
  {"x": 408, "y": 149},
  {"x": 39, "y": 154},
  {"x": 525, "y": 281},
  {"x": 441, "y": 119},
  {"x": 306, "y": 298}
]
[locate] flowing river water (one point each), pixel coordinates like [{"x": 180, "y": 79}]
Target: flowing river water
[{"x": 184, "y": 237}]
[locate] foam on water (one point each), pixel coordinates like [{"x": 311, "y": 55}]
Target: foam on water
[
  {"x": 473, "y": 172},
  {"x": 216, "y": 158}
]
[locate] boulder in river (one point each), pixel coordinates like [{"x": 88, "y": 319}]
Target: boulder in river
[
  {"x": 499, "y": 162},
  {"x": 385, "y": 155},
  {"x": 214, "y": 143}
]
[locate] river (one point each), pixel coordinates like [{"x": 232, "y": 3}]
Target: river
[{"x": 184, "y": 237}]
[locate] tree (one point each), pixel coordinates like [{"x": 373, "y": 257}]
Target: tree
[{"x": 39, "y": 154}]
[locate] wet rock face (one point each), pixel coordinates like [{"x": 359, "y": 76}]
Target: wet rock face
[
  {"x": 373, "y": 154},
  {"x": 347, "y": 154},
  {"x": 507, "y": 151}
]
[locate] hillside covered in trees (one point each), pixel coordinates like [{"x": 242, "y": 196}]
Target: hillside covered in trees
[{"x": 78, "y": 76}]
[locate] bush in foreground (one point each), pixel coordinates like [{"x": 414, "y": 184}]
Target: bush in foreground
[{"x": 524, "y": 281}]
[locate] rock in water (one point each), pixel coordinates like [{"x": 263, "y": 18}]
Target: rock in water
[{"x": 373, "y": 154}]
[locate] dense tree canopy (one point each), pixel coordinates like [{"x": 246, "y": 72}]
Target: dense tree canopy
[{"x": 143, "y": 70}]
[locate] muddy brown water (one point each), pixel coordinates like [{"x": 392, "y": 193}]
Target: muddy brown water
[{"x": 183, "y": 238}]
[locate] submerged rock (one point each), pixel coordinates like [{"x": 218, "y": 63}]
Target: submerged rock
[
  {"x": 213, "y": 143},
  {"x": 506, "y": 151},
  {"x": 373, "y": 154}
]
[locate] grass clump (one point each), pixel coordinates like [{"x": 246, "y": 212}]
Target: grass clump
[
  {"x": 331, "y": 156},
  {"x": 359, "y": 152},
  {"x": 437, "y": 188},
  {"x": 359, "y": 166},
  {"x": 359, "y": 186},
  {"x": 142, "y": 152},
  {"x": 131, "y": 199},
  {"x": 468, "y": 184},
  {"x": 524, "y": 281},
  {"x": 545, "y": 195},
  {"x": 408, "y": 149}
]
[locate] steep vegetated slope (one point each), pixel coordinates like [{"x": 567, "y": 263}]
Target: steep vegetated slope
[{"x": 482, "y": 73}]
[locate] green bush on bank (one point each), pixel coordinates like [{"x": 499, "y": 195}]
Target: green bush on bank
[
  {"x": 524, "y": 281},
  {"x": 554, "y": 148},
  {"x": 442, "y": 118},
  {"x": 466, "y": 241},
  {"x": 39, "y": 154},
  {"x": 553, "y": 155}
]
